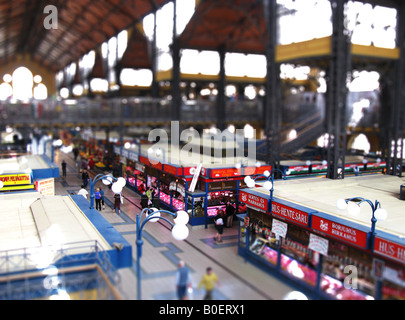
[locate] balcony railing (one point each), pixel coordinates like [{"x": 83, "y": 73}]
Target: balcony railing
[{"x": 81, "y": 270}]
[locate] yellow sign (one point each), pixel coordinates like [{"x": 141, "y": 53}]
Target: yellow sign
[{"x": 16, "y": 179}]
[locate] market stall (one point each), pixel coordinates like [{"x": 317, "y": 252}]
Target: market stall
[
  {"x": 318, "y": 252},
  {"x": 353, "y": 166},
  {"x": 212, "y": 189}
]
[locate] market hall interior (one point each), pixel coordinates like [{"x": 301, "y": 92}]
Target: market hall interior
[{"x": 316, "y": 105}]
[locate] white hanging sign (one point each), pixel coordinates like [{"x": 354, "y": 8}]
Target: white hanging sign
[
  {"x": 279, "y": 228},
  {"x": 318, "y": 244}
]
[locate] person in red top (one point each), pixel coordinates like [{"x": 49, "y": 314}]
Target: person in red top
[
  {"x": 142, "y": 188},
  {"x": 91, "y": 163}
]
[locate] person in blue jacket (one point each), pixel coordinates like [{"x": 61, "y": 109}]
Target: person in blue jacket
[
  {"x": 102, "y": 197},
  {"x": 97, "y": 196}
]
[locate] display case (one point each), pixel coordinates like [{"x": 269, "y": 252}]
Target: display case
[
  {"x": 218, "y": 194},
  {"x": 195, "y": 207},
  {"x": 135, "y": 177},
  {"x": 171, "y": 191}
]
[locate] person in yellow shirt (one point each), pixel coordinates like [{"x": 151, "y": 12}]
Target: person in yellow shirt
[{"x": 208, "y": 280}]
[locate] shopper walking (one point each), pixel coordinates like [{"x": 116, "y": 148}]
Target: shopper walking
[
  {"x": 229, "y": 212},
  {"x": 117, "y": 203},
  {"x": 83, "y": 192},
  {"x": 155, "y": 200},
  {"x": 75, "y": 152},
  {"x": 144, "y": 200},
  {"x": 208, "y": 281},
  {"x": 64, "y": 168},
  {"x": 183, "y": 281},
  {"x": 85, "y": 177},
  {"x": 149, "y": 194},
  {"x": 102, "y": 197},
  {"x": 219, "y": 225},
  {"x": 97, "y": 196}
]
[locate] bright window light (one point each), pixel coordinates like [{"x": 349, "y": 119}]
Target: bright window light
[
  {"x": 122, "y": 43},
  {"x": 100, "y": 85},
  {"x": 64, "y": 93},
  {"x": 361, "y": 143},
  {"x": 78, "y": 90},
  {"x": 37, "y": 79},
  {"x": 7, "y": 78},
  {"x": 131, "y": 77},
  {"x": 249, "y": 131},
  {"x": 40, "y": 92},
  {"x": 6, "y": 91}
]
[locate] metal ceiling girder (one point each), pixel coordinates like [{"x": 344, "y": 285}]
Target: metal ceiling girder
[
  {"x": 395, "y": 145},
  {"x": 73, "y": 25},
  {"x": 338, "y": 73},
  {"x": 272, "y": 106}
]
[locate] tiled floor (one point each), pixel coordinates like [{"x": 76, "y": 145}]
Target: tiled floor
[{"x": 161, "y": 252}]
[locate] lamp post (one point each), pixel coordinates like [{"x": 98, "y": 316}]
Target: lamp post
[
  {"x": 268, "y": 184},
  {"x": 353, "y": 207},
  {"x": 179, "y": 232},
  {"x": 378, "y": 213},
  {"x": 107, "y": 179}
]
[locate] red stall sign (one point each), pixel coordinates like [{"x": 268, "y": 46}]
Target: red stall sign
[
  {"x": 144, "y": 160},
  {"x": 340, "y": 231},
  {"x": 376, "y": 165},
  {"x": 289, "y": 213},
  {"x": 189, "y": 171},
  {"x": 250, "y": 171},
  {"x": 254, "y": 201},
  {"x": 153, "y": 163},
  {"x": 389, "y": 249},
  {"x": 175, "y": 171},
  {"x": 225, "y": 172}
]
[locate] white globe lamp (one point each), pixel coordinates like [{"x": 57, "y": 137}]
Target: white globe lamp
[
  {"x": 251, "y": 183},
  {"x": 116, "y": 188},
  {"x": 341, "y": 204},
  {"x": 268, "y": 185},
  {"x": 353, "y": 208},
  {"x": 246, "y": 179},
  {"x": 381, "y": 214},
  {"x": 154, "y": 214},
  {"x": 107, "y": 180},
  {"x": 121, "y": 181},
  {"x": 180, "y": 231},
  {"x": 181, "y": 218}
]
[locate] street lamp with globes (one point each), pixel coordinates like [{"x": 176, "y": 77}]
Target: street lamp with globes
[
  {"x": 268, "y": 184},
  {"x": 117, "y": 186},
  {"x": 179, "y": 232},
  {"x": 353, "y": 207}
]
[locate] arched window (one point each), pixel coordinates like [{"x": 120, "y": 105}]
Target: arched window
[
  {"x": 6, "y": 91},
  {"x": 23, "y": 82},
  {"x": 40, "y": 91}
]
